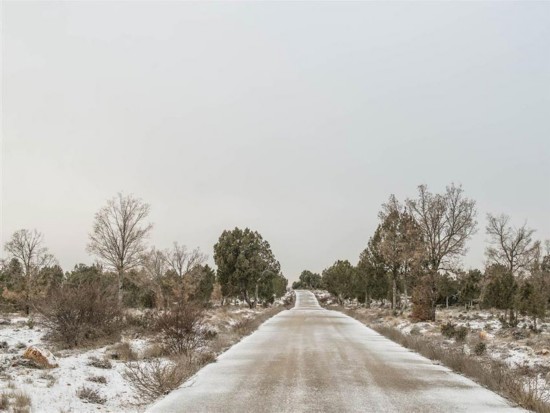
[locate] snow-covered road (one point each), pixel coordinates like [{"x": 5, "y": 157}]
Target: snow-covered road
[{"x": 310, "y": 359}]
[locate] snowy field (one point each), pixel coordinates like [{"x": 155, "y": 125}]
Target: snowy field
[{"x": 56, "y": 390}]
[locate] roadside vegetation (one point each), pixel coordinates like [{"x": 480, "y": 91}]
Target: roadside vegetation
[
  {"x": 511, "y": 362},
  {"x": 409, "y": 284},
  {"x": 134, "y": 325}
]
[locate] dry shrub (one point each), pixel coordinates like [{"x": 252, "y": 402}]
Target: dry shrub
[
  {"x": 83, "y": 312},
  {"x": 480, "y": 348},
  {"x": 99, "y": 363},
  {"x": 90, "y": 395},
  {"x": 123, "y": 351},
  {"x": 289, "y": 300},
  {"x": 492, "y": 374},
  {"x": 156, "y": 377},
  {"x": 51, "y": 380},
  {"x": 142, "y": 322},
  {"x": 17, "y": 401},
  {"x": 423, "y": 300},
  {"x": 243, "y": 326},
  {"x": 448, "y": 329},
  {"x": 181, "y": 328},
  {"x": 97, "y": 379},
  {"x": 154, "y": 350},
  {"x": 4, "y": 401}
]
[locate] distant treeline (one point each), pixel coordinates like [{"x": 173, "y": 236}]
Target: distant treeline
[
  {"x": 415, "y": 252},
  {"x": 141, "y": 274}
]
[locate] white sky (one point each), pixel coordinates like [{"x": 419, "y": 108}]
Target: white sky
[{"x": 295, "y": 119}]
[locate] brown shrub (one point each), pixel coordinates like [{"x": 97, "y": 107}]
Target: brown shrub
[
  {"x": 15, "y": 402},
  {"x": 82, "y": 312},
  {"x": 423, "y": 299},
  {"x": 4, "y": 401},
  {"x": 156, "y": 377},
  {"x": 123, "y": 351},
  {"x": 97, "y": 379},
  {"x": 480, "y": 348},
  {"x": 181, "y": 328},
  {"x": 99, "y": 363},
  {"x": 90, "y": 395},
  {"x": 154, "y": 350}
]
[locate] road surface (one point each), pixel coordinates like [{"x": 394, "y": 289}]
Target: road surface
[{"x": 309, "y": 359}]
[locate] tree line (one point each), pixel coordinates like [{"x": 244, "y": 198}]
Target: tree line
[
  {"x": 415, "y": 254},
  {"x": 141, "y": 274}
]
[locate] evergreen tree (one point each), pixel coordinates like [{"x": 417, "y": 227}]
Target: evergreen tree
[
  {"x": 469, "y": 286},
  {"x": 340, "y": 279},
  {"x": 242, "y": 257},
  {"x": 499, "y": 289},
  {"x": 531, "y": 299}
]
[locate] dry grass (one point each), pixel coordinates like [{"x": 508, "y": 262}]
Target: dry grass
[
  {"x": 97, "y": 379},
  {"x": 155, "y": 350},
  {"x": 123, "y": 351},
  {"x": 90, "y": 395},
  {"x": 100, "y": 363},
  {"x": 50, "y": 379},
  {"x": 15, "y": 402},
  {"x": 156, "y": 377},
  {"x": 492, "y": 374},
  {"x": 4, "y": 401}
]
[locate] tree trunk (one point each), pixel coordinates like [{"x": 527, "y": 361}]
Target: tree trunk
[
  {"x": 406, "y": 303},
  {"x": 256, "y": 295},
  {"x": 394, "y": 293},
  {"x": 27, "y": 294},
  {"x": 120, "y": 274},
  {"x": 27, "y": 306},
  {"x": 447, "y": 301},
  {"x": 247, "y": 299}
]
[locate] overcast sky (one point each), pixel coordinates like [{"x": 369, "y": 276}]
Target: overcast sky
[{"x": 294, "y": 119}]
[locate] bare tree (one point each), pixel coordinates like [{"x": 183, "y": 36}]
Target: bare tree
[
  {"x": 447, "y": 221},
  {"x": 154, "y": 265},
  {"x": 182, "y": 261},
  {"x": 119, "y": 233},
  {"x": 28, "y": 248},
  {"x": 512, "y": 248}
]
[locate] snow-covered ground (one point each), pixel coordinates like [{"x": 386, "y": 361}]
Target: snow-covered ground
[{"x": 55, "y": 390}]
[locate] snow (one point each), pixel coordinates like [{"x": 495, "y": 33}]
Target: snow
[{"x": 55, "y": 390}]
